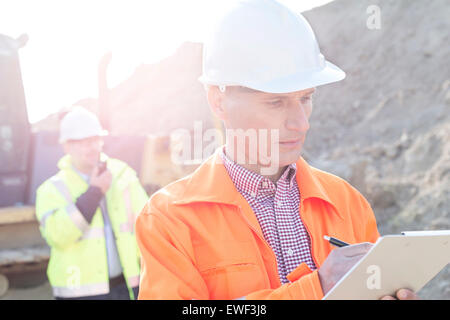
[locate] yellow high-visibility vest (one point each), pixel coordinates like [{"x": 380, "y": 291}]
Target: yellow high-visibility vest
[{"x": 78, "y": 264}]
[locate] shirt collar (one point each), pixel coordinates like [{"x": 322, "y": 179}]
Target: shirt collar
[
  {"x": 84, "y": 176},
  {"x": 210, "y": 182},
  {"x": 250, "y": 182}
]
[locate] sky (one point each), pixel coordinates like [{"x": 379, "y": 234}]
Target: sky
[{"x": 68, "y": 38}]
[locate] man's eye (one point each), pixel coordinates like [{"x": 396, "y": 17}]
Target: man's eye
[
  {"x": 305, "y": 99},
  {"x": 275, "y": 102}
]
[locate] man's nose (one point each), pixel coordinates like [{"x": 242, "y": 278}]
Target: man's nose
[
  {"x": 298, "y": 119},
  {"x": 91, "y": 147}
]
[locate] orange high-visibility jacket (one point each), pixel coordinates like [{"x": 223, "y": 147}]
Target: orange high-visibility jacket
[{"x": 200, "y": 239}]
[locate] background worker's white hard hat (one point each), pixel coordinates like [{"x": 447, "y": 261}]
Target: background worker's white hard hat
[
  {"x": 264, "y": 45},
  {"x": 80, "y": 124}
]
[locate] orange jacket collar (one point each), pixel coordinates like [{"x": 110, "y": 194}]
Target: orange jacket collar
[{"x": 211, "y": 183}]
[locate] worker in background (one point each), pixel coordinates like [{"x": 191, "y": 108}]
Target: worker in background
[
  {"x": 237, "y": 229},
  {"x": 87, "y": 213}
]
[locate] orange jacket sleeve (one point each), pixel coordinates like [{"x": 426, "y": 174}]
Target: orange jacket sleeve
[
  {"x": 168, "y": 270},
  {"x": 305, "y": 286},
  {"x": 370, "y": 229}
]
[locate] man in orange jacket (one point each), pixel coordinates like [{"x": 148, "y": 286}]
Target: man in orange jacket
[{"x": 246, "y": 225}]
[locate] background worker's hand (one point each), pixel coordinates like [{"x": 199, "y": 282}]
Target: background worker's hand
[
  {"x": 402, "y": 294},
  {"x": 102, "y": 180},
  {"x": 338, "y": 262}
]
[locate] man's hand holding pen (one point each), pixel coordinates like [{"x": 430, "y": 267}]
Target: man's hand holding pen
[{"x": 342, "y": 259}]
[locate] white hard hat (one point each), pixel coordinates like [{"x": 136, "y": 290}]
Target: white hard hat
[
  {"x": 264, "y": 45},
  {"x": 80, "y": 124}
]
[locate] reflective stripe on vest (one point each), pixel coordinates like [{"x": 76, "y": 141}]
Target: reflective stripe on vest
[
  {"x": 129, "y": 225},
  {"x": 62, "y": 188},
  {"x": 75, "y": 215},
  {"x": 93, "y": 233},
  {"x": 81, "y": 291},
  {"x": 45, "y": 216}
]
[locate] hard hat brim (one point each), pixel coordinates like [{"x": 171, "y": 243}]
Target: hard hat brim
[
  {"x": 102, "y": 133},
  {"x": 328, "y": 74},
  {"x": 295, "y": 82}
]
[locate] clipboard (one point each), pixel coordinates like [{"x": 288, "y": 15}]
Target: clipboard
[{"x": 409, "y": 260}]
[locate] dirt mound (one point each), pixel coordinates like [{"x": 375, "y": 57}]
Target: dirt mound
[{"x": 386, "y": 127}]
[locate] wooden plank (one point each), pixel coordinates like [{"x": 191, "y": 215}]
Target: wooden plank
[
  {"x": 24, "y": 255},
  {"x": 20, "y": 214},
  {"x": 20, "y": 235}
]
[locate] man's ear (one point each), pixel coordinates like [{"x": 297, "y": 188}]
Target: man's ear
[{"x": 216, "y": 101}]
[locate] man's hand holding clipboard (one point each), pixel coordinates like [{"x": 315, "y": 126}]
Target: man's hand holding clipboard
[
  {"x": 342, "y": 259},
  {"x": 395, "y": 267}
]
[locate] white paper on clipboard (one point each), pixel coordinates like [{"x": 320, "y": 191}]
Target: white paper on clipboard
[{"x": 406, "y": 261}]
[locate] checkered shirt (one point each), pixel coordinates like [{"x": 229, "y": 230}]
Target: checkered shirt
[{"x": 277, "y": 209}]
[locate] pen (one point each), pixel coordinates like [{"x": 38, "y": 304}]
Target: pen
[{"x": 336, "y": 242}]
